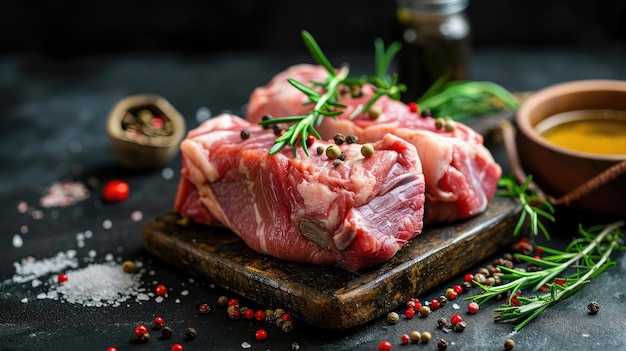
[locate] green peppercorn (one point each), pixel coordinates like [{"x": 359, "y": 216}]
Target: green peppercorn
[
  {"x": 144, "y": 337},
  {"x": 269, "y": 315},
  {"x": 128, "y": 266},
  {"x": 320, "y": 150},
  {"x": 442, "y": 344},
  {"x": 509, "y": 344},
  {"x": 166, "y": 332},
  {"x": 222, "y": 300},
  {"x": 351, "y": 139},
  {"x": 332, "y": 152},
  {"x": 244, "y": 134},
  {"x": 424, "y": 311},
  {"x": 374, "y": 112},
  {"x": 449, "y": 125},
  {"x": 593, "y": 307},
  {"x": 415, "y": 336},
  {"x": 367, "y": 150},
  {"x": 439, "y": 123},
  {"x": 426, "y": 337},
  {"x": 393, "y": 318},
  {"x": 339, "y": 138},
  {"x": 191, "y": 333}
]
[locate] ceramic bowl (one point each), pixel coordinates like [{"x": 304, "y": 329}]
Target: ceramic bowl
[
  {"x": 557, "y": 170},
  {"x": 145, "y": 131}
]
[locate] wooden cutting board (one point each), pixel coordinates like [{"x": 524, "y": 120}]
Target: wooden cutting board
[{"x": 330, "y": 297}]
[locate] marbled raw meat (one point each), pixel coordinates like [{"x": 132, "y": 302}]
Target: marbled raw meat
[
  {"x": 460, "y": 172},
  {"x": 304, "y": 209}
]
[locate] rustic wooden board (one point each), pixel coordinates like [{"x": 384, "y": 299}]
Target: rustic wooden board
[{"x": 330, "y": 297}]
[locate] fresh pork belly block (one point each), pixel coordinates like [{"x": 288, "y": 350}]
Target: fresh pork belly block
[
  {"x": 355, "y": 214},
  {"x": 460, "y": 172}
]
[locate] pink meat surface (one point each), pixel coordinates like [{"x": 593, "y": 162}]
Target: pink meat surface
[
  {"x": 304, "y": 209},
  {"x": 460, "y": 172}
]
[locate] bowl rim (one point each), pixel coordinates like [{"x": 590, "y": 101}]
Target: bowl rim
[{"x": 559, "y": 89}]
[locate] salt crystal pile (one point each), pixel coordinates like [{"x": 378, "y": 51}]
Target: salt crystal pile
[{"x": 31, "y": 268}]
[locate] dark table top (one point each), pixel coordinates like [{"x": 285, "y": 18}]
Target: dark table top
[{"x": 54, "y": 113}]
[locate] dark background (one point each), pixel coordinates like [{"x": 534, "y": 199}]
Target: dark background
[{"x": 195, "y": 26}]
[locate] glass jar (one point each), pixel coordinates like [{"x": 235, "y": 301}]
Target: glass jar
[{"x": 435, "y": 36}]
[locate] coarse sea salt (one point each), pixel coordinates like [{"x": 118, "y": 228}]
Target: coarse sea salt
[{"x": 31, "y": 268}]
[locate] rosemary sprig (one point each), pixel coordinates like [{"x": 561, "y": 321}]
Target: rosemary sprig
[
  {"x": 530, "y": 202},
  {"x": 327, "y": 102},
  {"x": 463, "y": 99},
  {"x": 589, "y": 255}
]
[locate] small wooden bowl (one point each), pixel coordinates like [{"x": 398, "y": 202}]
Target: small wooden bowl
[
  {"x": 145, "y": 131},
  {"x": 557, "y": 170}
]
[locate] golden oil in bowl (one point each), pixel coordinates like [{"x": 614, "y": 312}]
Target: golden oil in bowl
[{"x": 600, "y": 132}]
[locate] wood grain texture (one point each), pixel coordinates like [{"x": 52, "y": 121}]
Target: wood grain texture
[{"x": 330, "y": 297}]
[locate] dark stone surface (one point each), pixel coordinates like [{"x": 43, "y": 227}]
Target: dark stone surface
[{"x": 53, "y": 113}]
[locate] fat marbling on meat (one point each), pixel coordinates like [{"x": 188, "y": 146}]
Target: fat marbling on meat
[
  {"x": 460, "y": 172},
  {"x": 305, "y": 209}
]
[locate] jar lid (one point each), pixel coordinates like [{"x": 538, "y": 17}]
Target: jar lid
[{"x": 441, "y": 7}]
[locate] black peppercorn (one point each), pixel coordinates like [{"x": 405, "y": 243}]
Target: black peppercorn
[
  {"x": 443, "y": 299},
  {"x": 593, "y": 307},
  {"x": 426, "y": 113},
  {"x": 441, "y": 322},
  {"x": 266, "y": 118},
  {"x": 460, "y": 326},
  {"x": 339, "y": 138},
  {"x": 244, "y": 134},
  {"x": 166, "y": 332},
  {"x": 466, "y": 286},
  {"x": 342, "y": 156},
  {"x": 320, "y": 150},
  {"x": 351, "y": 139},
  {"x": 442, "y": 344}
]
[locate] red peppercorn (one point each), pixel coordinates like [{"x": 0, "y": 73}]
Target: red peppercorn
[
  {"x": 285, "y": 316},
  {"x": 115, "y": 191},
  {"x": 157, "y": 122},
  {"x": 259, "y": 315},
  {"x": 310, "y": 139},
  {"x": 409, "y": 313},
  {"x": 434, "y": 304},
  {"x": 249, "y": 314},
  {"x": 458, "y": 289},
  {"x": 158, "y": 322},
  {"x": 413, "y": 107},
  {"x": 234, "y": 313},
  {"x": 472, "y": 307},
  {"x": 384, "y": 346},
  {"x": 62, "y": 278},
  {"x": 260, "y": 334},
  {"x": 177, "y": 347},
  {"x": 233, "y": 302},
  {"x": 140, "y": 330},
  {"x": 204, "y": 308},
  {"x": 405, "y": 338},
  {"x": 456, "y": 318},
  {"x": 559, "y": 281},
  {"x": 469, "y": 277},
  {"x": 452, "y": 295},
  {"x": 111, "y": 348},
  {"x": 161, "y": 290}
]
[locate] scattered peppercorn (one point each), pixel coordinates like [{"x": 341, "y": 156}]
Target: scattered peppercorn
[
  {"x": 259, "y": 315},
  {"x": 466, "y": 286},
  {"x": 409, "y": 313},
  {"x": 128, "y": 266},
  {"x": 384, "y": 346},
  {"x": 342, "y": 156},
  {"x": 472, "y": 307},
  {"x": 509, "y": 344},
  {"x": 204, "y": 308},
  {"x": 593, "y": 307},
  {"x": 460, "y": 326},
  {"x": 434, "y": 304},
  {"x": 456, "y": 318},
  {"x": 442, "y": 344},
  {"x": 287, "y": 326},
  {"x": 161, "y": 290},
  {"x": 367, "y": 150},
  {"x": 332, "y": 152},
  {"x": 415, "y": 336},
  {"x": 337, "y": 163},
  {"x": 424, "y": 311},
  {"x": 61, "y": 278},
  {"x": 426, "y": 113},
  {"x": 351, "y": 139},
  {"x": 413, "y": 107},
  {"x": 393, "y": 318},
  {"x": 233, "y": 302},
  {"x": 426, "y": 337},
  {"x": 439, "y": 123},
  {"x": 140, "y": 330},
  {"x": 449, "y": 125},
  {"x": 248, "y": 313},
  {"x": 295, "y": 346},
  {"x": 374, "y": 112},
  {"x": 339, "y": 138},
  {"x": 442, "y": 300},
  {"x": 266, "y": 118},
  {"x": 177, "y": 347},
  {"x": 234, "y": 312},
  {"x": 269, "y": 315},
  {"x": 405, "y": 338},
  {"x": 320, "y": 150},
  {"x": 441, "y": 322},
  {"x": 166, "y": 332},
  {"x": 144, "y": 337},
  {"x": 191, "y": 332},
  {"x": 260, "y": 334},
  {"x": 244, "y": 134},
  {"x": 158, "y": 322}
]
